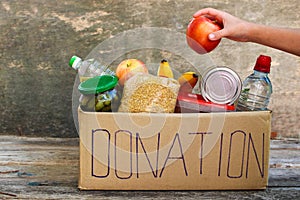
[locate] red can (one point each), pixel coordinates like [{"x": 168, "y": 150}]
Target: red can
[{"x": 195, "y": 103}]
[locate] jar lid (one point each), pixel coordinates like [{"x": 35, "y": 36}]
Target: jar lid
[{"x": 98, "y": 84}]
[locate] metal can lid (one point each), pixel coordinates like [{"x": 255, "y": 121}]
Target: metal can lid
[{"x": 221, "y": 85}]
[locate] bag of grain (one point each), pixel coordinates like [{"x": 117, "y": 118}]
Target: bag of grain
[{"x": 148, "y": 93}]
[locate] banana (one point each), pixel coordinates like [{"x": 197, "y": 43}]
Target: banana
[
  {"x": 164, "y": 69},
  {"x": 187, "y": 81}
]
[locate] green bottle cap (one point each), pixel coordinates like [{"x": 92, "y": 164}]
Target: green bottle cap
[
  {"x": 73, "y": 61},
  {"x": 98, "y": 84}
]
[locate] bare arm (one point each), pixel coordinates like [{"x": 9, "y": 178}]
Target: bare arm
[{"x": 285, "y": 39}]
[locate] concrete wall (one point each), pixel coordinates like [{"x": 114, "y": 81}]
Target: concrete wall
[{"x": 38, "y": 37}]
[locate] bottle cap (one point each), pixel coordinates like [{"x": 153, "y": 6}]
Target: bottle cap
[
  {"x": 263, "y": 64},
  {"x": 98, "y": 84},
  {"x": 74, "y": 61}
]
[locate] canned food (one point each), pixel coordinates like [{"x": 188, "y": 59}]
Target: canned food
[
  {"x": 194, "y": 103},
  {"x": 99, "y": 94},
  {"x": 221, "y": 85}
]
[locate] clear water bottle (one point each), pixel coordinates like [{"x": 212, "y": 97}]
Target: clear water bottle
[
  {"x": 88, "y": 68},
  {"x": 257, "y": 87}
]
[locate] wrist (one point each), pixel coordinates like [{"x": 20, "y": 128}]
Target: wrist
[{"x": 253, "y": 32}]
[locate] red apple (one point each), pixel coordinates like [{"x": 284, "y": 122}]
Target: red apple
[
  {"x": 197, "y": 34},
  {"x": 128, "y": 68}
]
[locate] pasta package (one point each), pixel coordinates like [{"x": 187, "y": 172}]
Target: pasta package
[{"x": 149, "y": 93}]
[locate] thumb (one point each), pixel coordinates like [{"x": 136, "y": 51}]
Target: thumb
[{"x": 216, "y": 35}]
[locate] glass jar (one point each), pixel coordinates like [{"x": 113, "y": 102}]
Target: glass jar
[{"x": 99, "y": 94}]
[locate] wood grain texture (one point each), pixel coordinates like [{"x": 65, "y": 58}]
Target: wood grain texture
[{"x": 47, "y": 168}]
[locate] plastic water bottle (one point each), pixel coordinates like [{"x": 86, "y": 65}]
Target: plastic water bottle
[
  {"x": 257, "y": 87},
  {"x": 88, "y": 68}
]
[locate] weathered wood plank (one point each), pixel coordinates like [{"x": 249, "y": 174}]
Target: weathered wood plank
[
  {"x": 284, "y": 163},
  {"x": 47, "y": 168}
]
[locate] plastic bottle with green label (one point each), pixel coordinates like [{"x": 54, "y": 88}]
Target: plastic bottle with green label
[{"x": 88, "y": 68}]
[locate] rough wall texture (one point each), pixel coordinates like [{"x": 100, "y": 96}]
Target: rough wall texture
[{"x": 37, "y": 38}]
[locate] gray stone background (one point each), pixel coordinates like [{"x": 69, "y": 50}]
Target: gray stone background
[{"x": 38, "y": 37}]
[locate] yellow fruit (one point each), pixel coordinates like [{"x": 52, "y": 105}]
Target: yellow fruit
[
  {"x": 164, "y": 69},
  {"x": 187, "y": 81}
]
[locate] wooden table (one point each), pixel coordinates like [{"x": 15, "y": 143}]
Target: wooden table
[{"x": 47, "y": 168}]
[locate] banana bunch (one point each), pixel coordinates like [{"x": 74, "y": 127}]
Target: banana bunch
[
  {"x": 164, "y": 69},
  {"x": 187, "y": 81}
]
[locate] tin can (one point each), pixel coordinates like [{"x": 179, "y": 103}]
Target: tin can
[{"x": 221, "y": 85}]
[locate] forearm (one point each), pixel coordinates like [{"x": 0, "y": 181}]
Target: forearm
[{"x": 280, "y": 38}]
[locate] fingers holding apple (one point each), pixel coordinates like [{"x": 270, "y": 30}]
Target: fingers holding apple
[
  {"x": 128, "y": 68},
  {"x": 198, "y": 31}
]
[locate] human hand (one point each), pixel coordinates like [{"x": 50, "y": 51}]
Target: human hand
[{"x": 234, "y": 28}]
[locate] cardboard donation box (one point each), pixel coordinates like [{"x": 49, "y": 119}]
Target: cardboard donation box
[{"x": 190, "y": 151}]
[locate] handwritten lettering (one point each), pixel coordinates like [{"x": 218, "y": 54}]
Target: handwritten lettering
[
  {"x": 139, "y": 140},
  {"x": 261, "y": 168},
  {"x": 230, "y": 153},
  {"x": 201, "y": 147},
  {"x": 94, "y": 132},
  {"x": 230, "y": 147},
  {"x": 181, "y": 157},
  {"x": 220, "y": 155},
  {"x": 130, "y": 153}
]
